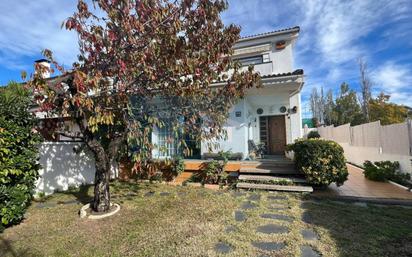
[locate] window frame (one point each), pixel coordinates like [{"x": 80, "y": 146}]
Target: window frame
[{"x": 250, "y": 57}]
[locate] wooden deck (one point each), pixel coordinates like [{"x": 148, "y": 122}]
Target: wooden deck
[{"x": 196, "y": 165}]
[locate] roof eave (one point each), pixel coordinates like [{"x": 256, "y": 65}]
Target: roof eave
[{"x": 270, "y": 34}]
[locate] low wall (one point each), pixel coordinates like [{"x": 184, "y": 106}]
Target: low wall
[
  {"x": 358, "y": 155},
  {"x": 62, "y": 167}
]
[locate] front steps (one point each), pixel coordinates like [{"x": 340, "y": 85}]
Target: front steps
[
  {"x": 303, "y": 189},
  {"x": 263, "y": 178},
  {"x": 277, "y": 174}
]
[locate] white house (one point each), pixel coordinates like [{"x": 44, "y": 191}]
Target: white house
[{"x": 269, "y": 115}]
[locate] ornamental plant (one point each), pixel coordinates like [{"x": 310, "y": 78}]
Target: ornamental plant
[
  {"x": 18, "y": 154},
  {"x": 141, "y": 64},
  {"x": 322, "y": 161},
  {"x": 384, "y": 171}
]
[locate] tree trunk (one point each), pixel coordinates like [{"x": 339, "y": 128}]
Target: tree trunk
[{"x": 101, "y": 202}]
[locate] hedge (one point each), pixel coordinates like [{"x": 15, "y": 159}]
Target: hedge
[
  {"x": 18, "y": 154},
  {"x": 322, "y": 161},
  {"x": 384, "y": 171}
]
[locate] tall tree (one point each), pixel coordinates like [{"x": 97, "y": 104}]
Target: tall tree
[
  {"x": 330, "y": 113},
  {"x": 366, "y": 88},
  {"x": 317, "y": 105},
  {"x": 347, "y": 107},
  {"x": 388, "y": 113},
  {"x": 143, "y": 64}
]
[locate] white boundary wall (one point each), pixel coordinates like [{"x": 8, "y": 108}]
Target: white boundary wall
[
  {"x": 62, "y": 167},
  {"x": 374, "y": 142}
]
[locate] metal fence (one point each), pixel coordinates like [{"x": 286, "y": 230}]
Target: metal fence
[{"x": 390, "y": 139}]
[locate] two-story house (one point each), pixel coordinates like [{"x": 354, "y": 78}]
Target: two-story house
[{"x": 270, "y": 115}]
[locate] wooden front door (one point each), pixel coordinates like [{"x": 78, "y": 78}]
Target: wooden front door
[{"x": 277, "y": 135}]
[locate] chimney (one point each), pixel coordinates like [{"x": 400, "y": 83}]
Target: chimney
[{"x": 44, "y": 67}]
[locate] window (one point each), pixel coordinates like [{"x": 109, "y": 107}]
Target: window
[
  {"x": 253, "y": 60},
  {"x": 166, "y": 141}
]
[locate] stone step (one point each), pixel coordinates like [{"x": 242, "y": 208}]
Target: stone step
[
  {"x": 269, "y": 171},
  {"x": 307, "y": 189},
  {"x": 264, "y": 165},
  {"x": 270, "y": 178}
]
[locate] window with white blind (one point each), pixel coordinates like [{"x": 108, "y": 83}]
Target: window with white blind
[{"x": 253, "y": 60}]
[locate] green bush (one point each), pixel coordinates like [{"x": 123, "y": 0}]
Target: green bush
[
  {"x": 322, "y": 161},
  {"x": 384, "y": 171},
  {"x": 18, "y": 154},
  {"x": 313, "y": 134},
  {"x": 214, "y": 172}
]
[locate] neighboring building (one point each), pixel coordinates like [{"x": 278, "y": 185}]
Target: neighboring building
[{"x": 269, "y": 115}]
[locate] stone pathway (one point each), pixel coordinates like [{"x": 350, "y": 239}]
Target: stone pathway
[
  {"x": 307, "y": 218},
  {"x": 277, "y": 204},
  {"x": 268, "y": 246},
  {"x": 254, "y": 197},
  {"x": 275, "y": 216},
  {"x": 309, "y": 234},
  {"x": 307, "y": 251},
  {"x": 272, "y": 229},
  {"x": 248, "y": 205},
  {"x": 240, "y": 216},
  {"x": 222, "y": 248}
]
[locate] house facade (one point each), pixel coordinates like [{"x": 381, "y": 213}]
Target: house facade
[{"x": 270, "y": 115}]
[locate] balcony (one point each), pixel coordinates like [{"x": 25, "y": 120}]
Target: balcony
[{"x": 263, "y": 68}]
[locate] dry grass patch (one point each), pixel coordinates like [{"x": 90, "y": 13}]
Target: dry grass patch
[{"x": 191, "y": 221}]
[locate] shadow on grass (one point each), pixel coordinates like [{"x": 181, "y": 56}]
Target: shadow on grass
[
  {"x": 81, "y": 194},
  {"x": 84, "y": 194},
  {"x": 363, "y": 230},
  {"x": 7, "y": 249}
]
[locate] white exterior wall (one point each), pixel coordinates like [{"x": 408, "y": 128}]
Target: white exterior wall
[
  {"x": 237, "y": 132},
  {"x": 62, "y": 167},
  {"x": 295, "y": 118},
  {"x": 282, "y": 60}
]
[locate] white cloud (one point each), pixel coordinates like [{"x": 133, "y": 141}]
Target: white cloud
[
  {"x": 395, "y": 79},
  {"x": 28, "y": 27}
]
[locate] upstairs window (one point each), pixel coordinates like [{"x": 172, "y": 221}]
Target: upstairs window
[{"x": 253, "y": 60}]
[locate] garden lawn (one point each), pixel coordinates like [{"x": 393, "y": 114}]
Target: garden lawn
[{"x": 161, "y": 220}]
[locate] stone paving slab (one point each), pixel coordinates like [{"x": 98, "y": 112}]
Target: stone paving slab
[
  {"x": 268, "y": 246},
  {"x": 230, "y": 229},
  {"x": 240, "y": 216},
  {"x": 254, "y": 197},
  {"x": 277, "y": 197},
  {"x": 222, "y": 248},
  {"x": 307, "y": 218},
  {"x": 248, "y": 205},
  {"x": 307, "y": 251},
  {"x": 275, "y": 216},
  {"x": 309, "y": 234},
  {"x": 272, "y": 229}
]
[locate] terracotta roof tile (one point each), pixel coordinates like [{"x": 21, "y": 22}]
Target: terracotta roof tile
[
  {"x": 296, "y": 72},
  {"x": 296, "y": 28}
]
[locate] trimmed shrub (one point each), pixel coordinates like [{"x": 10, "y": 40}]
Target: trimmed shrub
[
  {"x": 322, "y": 161},
  {"x": 313, "y": 134},
  {"x": 384, "y": 171},
  {"x": 18, "y": 154}
]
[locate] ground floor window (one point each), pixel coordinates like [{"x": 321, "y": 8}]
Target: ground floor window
[{"x": 167, "y": 142}]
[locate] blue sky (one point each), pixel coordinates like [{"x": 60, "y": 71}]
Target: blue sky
[{"x": 334, "y": 34}]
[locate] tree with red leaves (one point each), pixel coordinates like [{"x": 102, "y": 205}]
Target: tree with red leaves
[{"x": 144, "y": 63}]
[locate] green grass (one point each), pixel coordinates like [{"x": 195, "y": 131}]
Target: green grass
[{"x": 190, "y": 224}]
